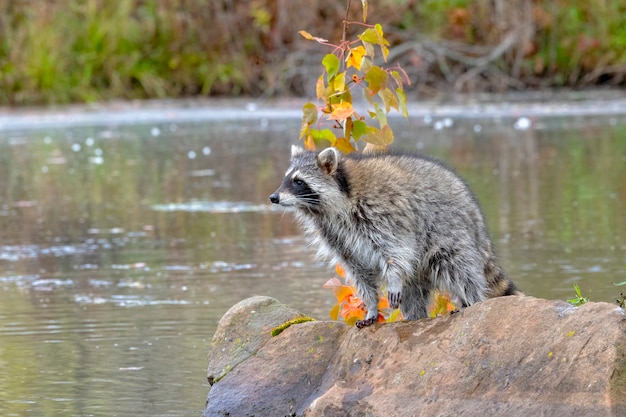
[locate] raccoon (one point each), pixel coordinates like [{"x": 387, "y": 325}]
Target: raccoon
[{"x": 404, "y": 221}]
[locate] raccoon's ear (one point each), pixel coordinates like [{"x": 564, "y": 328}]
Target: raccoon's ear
[
  {"x": 328, "y": 160},
  {"x": 296, "y": 151}
]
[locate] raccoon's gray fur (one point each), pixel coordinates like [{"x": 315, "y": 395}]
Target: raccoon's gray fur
[{"x": 404, "y": 221}]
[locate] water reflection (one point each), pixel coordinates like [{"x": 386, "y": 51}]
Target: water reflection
[{"x": 121, "y": 246}]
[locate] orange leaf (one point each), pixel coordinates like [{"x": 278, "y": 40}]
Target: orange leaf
[
  {"x": 342, "y": 292},
  {"x": 340, "y": 271},
  {"x": 341, "y": 111},
  {"x": 381, "y": 318},
  {"x": 352, "y": 307},
  {"x": 309, "y": 143}
]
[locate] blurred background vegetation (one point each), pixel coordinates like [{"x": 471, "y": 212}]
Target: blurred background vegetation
[{"x": 60, "y": 51}]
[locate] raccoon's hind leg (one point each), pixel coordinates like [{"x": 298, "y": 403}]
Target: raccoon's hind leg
[
  {"x": 458, "y": 275},
  {"x": 415, "y": 296}
]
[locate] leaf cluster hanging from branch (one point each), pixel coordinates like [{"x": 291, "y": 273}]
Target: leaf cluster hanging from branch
[{"x": 351, "y": 65}]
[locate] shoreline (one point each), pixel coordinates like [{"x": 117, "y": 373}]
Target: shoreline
[{"x": 480, "y": 107}]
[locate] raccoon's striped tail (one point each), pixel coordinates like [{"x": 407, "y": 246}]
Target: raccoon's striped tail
[{"x": 498, "y": 283}]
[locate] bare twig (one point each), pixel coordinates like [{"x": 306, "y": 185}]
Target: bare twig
[
  {"x": 618, "y": 72},
  {"x": 346, "y": 23},
  {"x": 477, "y": 59},
  {"x": 481, "y": 63}
]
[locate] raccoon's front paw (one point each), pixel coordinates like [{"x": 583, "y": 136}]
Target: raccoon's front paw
[
  {"x": 364, "y": 323},
  {"x": 394, "y": 298}
]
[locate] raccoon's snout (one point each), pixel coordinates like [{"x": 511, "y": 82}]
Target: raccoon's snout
[{"x": 274, "y": 198}]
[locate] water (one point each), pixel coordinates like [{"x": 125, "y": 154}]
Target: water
[{"x": 122, "y": 244}]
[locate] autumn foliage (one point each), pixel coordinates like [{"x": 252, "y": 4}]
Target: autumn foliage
[
  {"x": 441, "y": 305},
  {"x": 348, "y": 68},
  {"x": 350, "y": 307}
]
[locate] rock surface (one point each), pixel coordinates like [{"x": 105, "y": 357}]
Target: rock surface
[
  {"x": 242, "y": 330},
  {"x": 513, "y": 356}
]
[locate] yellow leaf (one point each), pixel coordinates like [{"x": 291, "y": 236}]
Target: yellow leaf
[
  {"x": 441, "y": 305},
  {"x": 339, "y": 83},
  {"x": 309, "y": 113},
  {"x": 395, "y": 315},
  {"x": 364, "y": 4},
  {"x": 389, "y": 99},
  {"x": 344, "y": 145},
  {"x": 347, "y": 128},
  {"x": 385, "y": 52},
  {"x": 309, "y": 143},
  {"x": 340, "y": 97},
  {"x": 309, "y": 116},
  {"x": 402, "y": 100},
  {"x": 384, "y": 43},
  {"x": 380, "y": 137},
  {"x": 341, "y": 111},
  {"x": 340, "y": 271},
  {"x": 306, "y": 35},
  {"x": 375, "y": 36},
  {"x": 334, "y": 312},
  {"x": 397, "y": 78},
  {"x": 350, "y": 321},
  {"x": 355, "y": 57},
  {"x": 320, "y": 88}
]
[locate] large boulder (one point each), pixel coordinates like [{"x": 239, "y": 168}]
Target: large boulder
[
  {"x": 513, "y": 356},
  {"x": 242, "y": 330}
]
